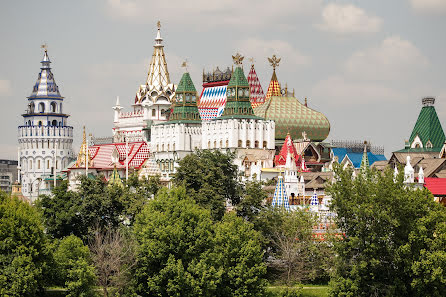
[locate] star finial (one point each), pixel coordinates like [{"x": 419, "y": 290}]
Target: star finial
[
  {"x": 238, "y": 59},
  {"x": 184, "y": 64},
  {"x": 251, "y": 60},
  {"x": 158, "y": 24},
  {"x": 274, "y": 61}
]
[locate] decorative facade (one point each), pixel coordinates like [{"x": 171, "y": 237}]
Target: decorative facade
[
  {"x": 45, "y": 138},
  {"x": 152, "y": 101}
]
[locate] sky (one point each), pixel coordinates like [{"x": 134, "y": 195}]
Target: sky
[{"x": 365, "y": 64}]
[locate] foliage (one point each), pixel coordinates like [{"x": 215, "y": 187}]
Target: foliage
[
  {"x": 394, "y": 243},
  {"x": 211, "y": 179},
  {"x": 74, "y": 271},
  {"x": 113, "y": 254},
  {"x": 94, "y": 203},
  {"x": 23, "y": 248},
  {"x": 252, "y": 202},
  {"x": 182, "y": 252}
]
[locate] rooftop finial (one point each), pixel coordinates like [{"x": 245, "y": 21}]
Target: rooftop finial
[
  {"x": 44, "y": 46},
  {"x": 428, "y": 101},
  {"x": 238, "y": 59},
  {"x": 274, "y": 61},
  {"x": 158, "y": 24},
  {"x": 184, "y": 64}
]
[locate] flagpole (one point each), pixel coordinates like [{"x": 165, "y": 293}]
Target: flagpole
[{"x": 126, "y": 158}]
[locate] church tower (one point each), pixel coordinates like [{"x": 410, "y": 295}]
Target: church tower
[{"x": 45, "y": 139}]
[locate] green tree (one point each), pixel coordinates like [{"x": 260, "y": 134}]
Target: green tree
[
  {"x": 73, "y": 267},
  {"x": 394, "y": 243},
  {"x": 211, "y": 179},
  {"x": 23, "y": 248},
  {"x": 182, "y": 252}
]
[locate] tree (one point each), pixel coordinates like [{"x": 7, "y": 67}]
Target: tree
[
  {"x": 252, "y": 202},
  {"x": 23, "y": 248},
  {"x": 113, "y": 254},
  {"x": 182, "y": 252},
  {"x": 73, "y": 267},
  {"x": 394, "y": 242},
  {"x": 211, "y": 179}
]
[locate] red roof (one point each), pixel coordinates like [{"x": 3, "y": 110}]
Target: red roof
[
  {"x": 288, "y": 147},
  {"x": 437, "y": 186}
]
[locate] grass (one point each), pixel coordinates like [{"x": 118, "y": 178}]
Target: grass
[{"x": 307, "y": 291}]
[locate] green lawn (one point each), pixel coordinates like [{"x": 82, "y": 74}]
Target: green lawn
[{"x": 308, "y": 290}]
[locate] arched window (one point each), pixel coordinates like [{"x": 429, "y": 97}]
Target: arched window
[
  {"x": 162, "y": 147},
  {"x": 53, "y": 106},
  {"x": 227, "y": 143},
  {"x": 256, "y": 144},
  {"x": 264, "y": 144},
  {"x": 29, "y": 123},
  {"x": 54, "y": 123},
  {"x": 239, "y": 143},
  {"x": 153, "y": 112},
  {"x": 41, "y": 107},
  {"x": 215, "y": 143},
  {"x": 60, "y": 124},
  {"x": 31, "y": 107},
  {"x": 209, "y": 144},
  {"x": 38, "y": 164},
  {"x": 40, "y": 123},
  {"x": 30, "y": 164},
  {"x": 248, "y": 143},
  {"x": 173, "y": 147},
  {"x": 168, "y": 147},
  {"x": 221, "y": 143},
  {"x": 47, "y": 164}
]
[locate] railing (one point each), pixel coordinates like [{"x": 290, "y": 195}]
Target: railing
[{"x": 45, "y": 131}]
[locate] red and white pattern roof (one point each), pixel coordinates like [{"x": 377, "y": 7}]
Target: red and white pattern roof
[
  {"x": 212, "y": 101},
  {"x": 101, "y": 155},
  {"x": 256, "y": 96},
  {"x": 289, "y": 148}
]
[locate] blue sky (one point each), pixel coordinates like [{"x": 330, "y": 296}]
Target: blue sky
[{"x": 364, "y": 64}]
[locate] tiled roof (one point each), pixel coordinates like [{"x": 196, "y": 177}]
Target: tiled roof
[
  {"x": 45, "y": 86},
  {"x": 428, "y": 128},
  {"x": 280, "y": 198},
  {"x": 186, "y": 84},
  {"x": 356, "y": 158},
  {"x": 212, "y": 102},
  {"x": 293, "y": 117},
  {"x": 238, "y": 78},
  {"x": 437, "y": 186},
  {"x": 274, "y": 87},
  {"x": 256, "y": 95},
  {"x": 287, "y": 147}
]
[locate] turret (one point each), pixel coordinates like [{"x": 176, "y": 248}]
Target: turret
[
  {"x": 117, "y": 108},
  {"x": 408, "y": 172}
]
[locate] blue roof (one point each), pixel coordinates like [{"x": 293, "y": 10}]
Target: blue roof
[{"x": 356, "y": 158}]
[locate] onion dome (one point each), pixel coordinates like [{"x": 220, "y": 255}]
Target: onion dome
[
  {"x": 238, "y": 104},
  {"x": 290, "y": 115},
  {"x": 256, "y": 95},
  {"x": 185, "y": 107},
  {"x": 45, "y": 86}
]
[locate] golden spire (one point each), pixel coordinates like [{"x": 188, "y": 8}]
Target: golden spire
[
  {"x": 83, "y": 155},
  {"x": 238, "y": 59}
]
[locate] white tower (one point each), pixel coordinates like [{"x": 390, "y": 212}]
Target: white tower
[
  {"x": 45, "y": 139},
  {"x": 409, "y": 172}
]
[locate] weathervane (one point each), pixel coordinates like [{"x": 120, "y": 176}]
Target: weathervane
[
  {"x": 184, "y": 64},
  {"x": 274, "y": 61},
  {"x": 158, "y": 24},
  {"x": 238, "y": 59},
  {"x": 44, "y": 46}
]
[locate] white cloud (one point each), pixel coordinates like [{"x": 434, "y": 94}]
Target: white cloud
[
  {"x": 429, "y": 6},
  {"x": 210, "y": 14},
  {"x": 394, "y": 58},
  {"x": 5, "y": 87},
  {"x": 260, "y": 49},
  {"x": 346, "y": 19},
  {"x": 338, "y": 90}
]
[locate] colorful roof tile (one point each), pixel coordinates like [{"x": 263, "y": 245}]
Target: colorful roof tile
[
  {"x": 45, "y": 86},
  {"x": 288, "y": 147},
  {"x": 185, "y": 106},
  {"x": 280, "y": 198},
  {"x": 428, "y": 127},
  {"x": 274, "y": 87},
  {"x": 256, "y": 95},
  {"x": 212, "y": 100},
  {"x": 437, "y": 186}
]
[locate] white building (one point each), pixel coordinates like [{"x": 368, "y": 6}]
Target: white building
[
  {"x": 152, "y": 101},
  {"x": 45, "y": 139}
]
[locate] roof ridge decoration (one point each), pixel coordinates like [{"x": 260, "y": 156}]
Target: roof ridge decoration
[
  {"x": 45, "y": 86},
  {"x": 185, "y": 107},
  {"x": 238, "y": 104},
  {"x": 257, "y": 97},
  {"x": 427, "y": 132},
  {"x": 84, "y": 154},
  {"x": 274, "y": 86},
  {"x": 158, "y": 78},
  {"x": 280, "y": 198}
]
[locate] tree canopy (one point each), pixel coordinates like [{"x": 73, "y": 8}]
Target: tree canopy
[{"x": 394, "y": 242}]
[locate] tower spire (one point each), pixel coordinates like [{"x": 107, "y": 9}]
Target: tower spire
[{"x": 365, "y": 159}]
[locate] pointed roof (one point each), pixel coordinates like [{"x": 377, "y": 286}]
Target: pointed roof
[
  {"x": 115, "y": 179},
  {"x": 185, "y": 108},
  {"x": 83, "y": 155},
  {"x": 280, "y": 198},
  {"x": 365, "y": 159},
  {"x": 256, "y": 95},
  {"x": 274, "y": 87},
  {"x": 45, "y": 86},
  {"x": 238, "y": 104},
  {"x": 314, "y": 200},
  {"x": 428, "y": 127},
  {"x": 288, "y": 148}
]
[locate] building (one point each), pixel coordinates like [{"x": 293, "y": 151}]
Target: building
[
  {"x": 350, "y": 153},
  {"x": 8, "y": 174},
  {"x": 152, "y": 101},
  {"x": 45, "y": 138}
]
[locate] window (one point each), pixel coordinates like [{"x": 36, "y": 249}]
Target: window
[
  {"x": 264, "y": 144},
  {"x": 221, "y": 143},
  {"x": 256, "y": 144},
  {"x": 239, "y": 143},
  {"x": 47, "y": 164},
  {"x": 60, "y": 108},
  {"x": 173, "y": 147},
  {"x": 38, "y": 164},
  {"x": 153, "y": 112},
  {"x": 54, "y": 123},
  {"x": 41, "y": 107},
  {"x": 30, "y": 164},
  {"x": 248, "y": 143},
  {"x": 168, "y": 147},
  {"x": 31, "y": 107},
  {"x": 215, "y": 143},
  {"x": 40, "y": 123},
  {"x": 209, "y": 144},
  {"x": 53, "y": 106},
  {"x": 227, "y": 143}
]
